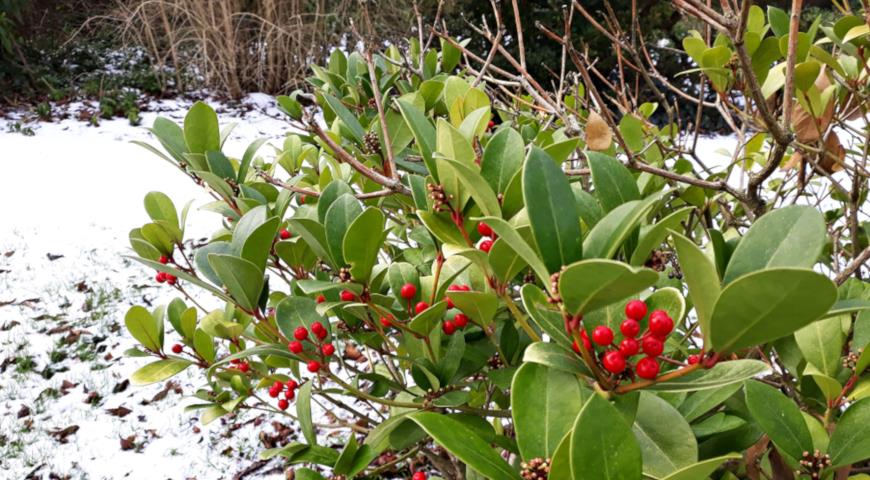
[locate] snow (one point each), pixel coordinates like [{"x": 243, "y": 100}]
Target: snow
[{"x": 75, "y": 190}]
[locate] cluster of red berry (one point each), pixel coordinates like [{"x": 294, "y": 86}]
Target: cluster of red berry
[
  {"x": 486, "y": 231},
  {"x": 163, "y": 277},
  {"x": 243, "y": 366},
  {"x": 615, "y": 357},
  {"x": 324, "y": 350},
  {"x": 289, "y": 388},
  {"x": 409, "y": 291}
]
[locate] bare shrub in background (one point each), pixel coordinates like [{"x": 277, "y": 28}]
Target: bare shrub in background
[{"x": 238, "y": 46}]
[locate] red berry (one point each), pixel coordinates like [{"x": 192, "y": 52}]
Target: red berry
[
  {"x": 693, "y": 359},
  {"x": 630, "y": 328},
  {"x": 465, "y": 288},
  {"x": 236, "y": 361},
  {"x": 628, "y": 347},
  {"x": 285, "y": 234},
  {"x": 585, "y": 338},
  {"x": 163, "y": 259},
  {"x": 295, "y": 347},
  {"x": 386, "y": 322},
  {"x": 283, "y": 404},
  {"x": 313, "y": 366},
  {"x": 347, "y": 296},
  {"x": 448, "y": 327},
  {"x": 460, "y": 320},
  {"x": 177, "y": 348},
  {"x": 418, "y": 476},
  {"x": 420, "y": 307},
  {"x": 273, "y": 392},
  {"x": 450, "y": 303},
  {"x": 302, "y": 199},
  {"x": 292, "y": 384},
  {"x": 647, "y": 367},
  {"x": 485, "y": 245},
  {"x": 321, "y": 298},
  {"x": 244, "y": 367},
  {"x": 490, "y": 125},
  {"x": 635, "y": 310},
  {"x": 658, "y": 313},
  {"x": 454, "y": 288},
  {"x": 652, "y": 346},
  {"x": 484, "y": 229},
  {"x": 277, "y": 385},
  {"x": 290, "y": 394},
  {"x": 327, "y": 349},
  {"x": 660, "y": 325},
  {"x": 575, "y": 347},
  {"x": 319, "y": 330},
  {"x": 614, "y": 362},
  {"x": 408, "y": 291},
  {"x": 171, "y": 279},
  {"x": 160, "y": 277},
  {"x": 301, "y": 333},
  {"x": 602, "y": 335}
]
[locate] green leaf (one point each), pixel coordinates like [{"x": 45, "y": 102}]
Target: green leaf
[
  {"x": 552, "y": 211},
  {"x": 170, "y": 136},
  {"x": 617, "y": 227},
  {"x": 242, "y": 278},
  {"x": 591, "y": 284},
  {"x": 425, "y": 321},
  {"x": 788, "y": 237},
  {"x": 763, "y": 306},
  {"x": 821, "y": 343},
  {"x": 338, "y": 219},
  {"x": 779, "y": 417},
  {"x": 444, "y": 230},
  {"x": 652, "y": 237},
  {"x": 603, "y": 446},
  {"x": 548, "y": 319},
  {"x": 362, "y": 242},
  {"x": 778, "y": 19},
  {"x": 424, "y": 134},
  {"x": 144, "y": 327},
  {"x": 555, "y": 357},
  {"x": 543, "y": 399},
  {"x": 295, "y": 312},
  {"x": 614, "y": 184},
  {"x": 481, "y": 307},
  {"x": 666, "y": 441},
  {"x": 465, "y": 444},
  {"x": 701, "y": 279},
  {"x": 505, "y": 262},
  {"x": 476, "y": 186},
  {"x": 560, "y": 464},
  {"x": 330, "y": 194},
  {"x": 348, "y": 118},
  {"x": 722, "y": 374},
  {"x": 702, "y": 402},
  {"x": 507, "y": 233},
  {"x": 290, "y": 106},
  {"x": 502, "y": 158},
  {"x": 248, "y": 157},
  {"x": 303, "y": 412},
  {"x": 701, "y": 469},
  {"x": 258, "y": 245},
  {"x": 160, "y": 207},
  {"x": 201, "y": 131},
  {"x": 850, "y": 442},
  {"x": 158, "y": 371}
]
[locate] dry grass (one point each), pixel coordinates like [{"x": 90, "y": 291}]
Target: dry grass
[{"x": 238, "y": 46}]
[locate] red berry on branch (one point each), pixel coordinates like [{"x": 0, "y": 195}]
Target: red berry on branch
[
  {"x": 630, "y": 327},
  {"x": 460, "y": 320},
  {"x": 321, "y": 298},
  {"x": 171, "y": 279},
  {"x": 449, "y": 303},
  {"x": 292, "y": 384},
  {"x": 302, "y": 199},
  {"x": 448, "y": 327},
  {"x": 318, "y": 329},
  {"x": 163, "y": 259},
  {"x": 283, "y": 404},
  {"x": 273, "y": 392},
  {"x": 295, "y": 347},
  {"x": 658, "y": 313},
  {"x": 660, "y": 325},
  {"x": 160, "y": 277},
  {"x": 652, "y": 346},
  {"x": 490, "y": 125},
  {"x": 408, "y": 291},
  {"x": 602, "y": 335},
  {"x": 484, "y": 229},
  {"x": 277, "y": 385},
  {"x": 628, "y": 347},
  {"x": 285, "y": 234},
  {"x": 347, "y": 296},
  {"x": 635, "y": 310},
  {"x": 328, "y": 349},
  {"x": 465, "y": 288},
  {"x": 420, "y": 307},
  {"x": 647, "y": 368},
  {"x": 693, "y": 359},
  {"x": 418, "y": 476},
  {"x": 386, "y": 322},
  {"x": 313, "y": 366},
  {"x": 585, "y": 338},
  {"x": 301, "y": 333},
  {"x": 177, "y": 348},
  {"x": 244, "y": 367},
  {"x": 485, "y": 245},
  {"x": 290, "y": 394},
  {"x": 614, "y": 362}
]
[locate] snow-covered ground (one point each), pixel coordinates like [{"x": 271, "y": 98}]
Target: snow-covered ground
[{"x": 69, "y": 194}]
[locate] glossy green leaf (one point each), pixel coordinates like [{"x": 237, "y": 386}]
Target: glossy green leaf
[
  {"x": 465, "y": 444},
  {"x": 502, "y": 158},
  {"x": 722, "y": 374},
  {"x": 425, "y": 321},
  {"x": 242, "y": 278},
  {"x": 701, "y": 469},
  {"x": 763, "y": 306},
  {"x": 481, "y": 307},
  {"x": 653, "y": 236},
  {"x": 338, "y": 219},
  {"x": 591, "y": 284},
  {"x": 821, "y": 344},
  {"x": 779, "y": 417},
  {"x": 666, "y": 441},
  {"x": 552, "y": 212},
  {"x": 850, "y": 442},
  {"x": 294, "y": 311},
  {"x": 617, "y": 226},
  {"x": 701, "y": 279},
  {"x": 201, "y": 130},
  {"x": 543, "y": 399},
  {"x": 476, "y": 186},
  {"x": 348, "y": 118},
  {"x": 614, "y": 183},
  {"x": 424, "y": 133},
  {"x": 788, "y": 237},
  {"x": 362, "y": 242},
  {"x": 507, "y": 233},
  {"x": 541, "y": 312},
  {"x": 160, "y": 207},
  {"x": 144, "y": 328},
  {"x": 158, "y": 371},
  {"x": 702, "y": 402},
  {"x": 603, "y": 446},
  {"x": 303, "y": 412},
  {"x": 556, "y": 357}
]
